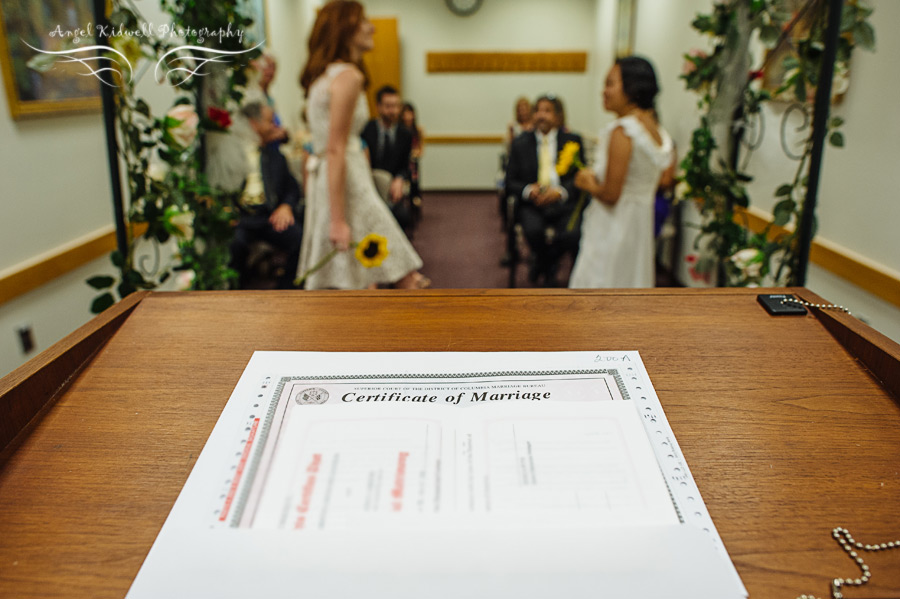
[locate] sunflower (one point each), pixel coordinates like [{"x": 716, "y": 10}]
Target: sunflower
[{"x": 372, "y": 250}]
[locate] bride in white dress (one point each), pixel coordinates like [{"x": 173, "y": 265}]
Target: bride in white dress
[
  {"x": 617, "y": 246},
  {"x": 342, "y": 205}
]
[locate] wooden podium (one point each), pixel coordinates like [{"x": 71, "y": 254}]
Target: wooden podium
[{"x": 790, "y": 425}]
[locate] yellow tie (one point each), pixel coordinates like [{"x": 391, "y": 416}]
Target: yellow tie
[{"x": 545, "y": 164}]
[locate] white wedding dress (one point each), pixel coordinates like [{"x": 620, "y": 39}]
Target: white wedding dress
[
  {"x": 365, "y": 210},
  {"x": 617, "y": 247}
]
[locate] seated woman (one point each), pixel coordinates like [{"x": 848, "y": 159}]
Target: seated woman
[
  {"x": 408, "y": 120},
  {"x": 523, "y": 120}
]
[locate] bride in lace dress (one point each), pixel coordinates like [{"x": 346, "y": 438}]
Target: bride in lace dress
[
  {"x": 617, "y": 247},
  {"x": 342, "y": 205}
]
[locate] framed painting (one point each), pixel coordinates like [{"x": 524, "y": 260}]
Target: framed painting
[{"x": 36, "y": 84}]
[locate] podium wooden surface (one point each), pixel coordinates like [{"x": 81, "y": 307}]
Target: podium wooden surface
[{"x": 790, "y": 425}]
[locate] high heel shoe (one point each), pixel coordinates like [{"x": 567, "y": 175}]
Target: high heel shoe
[
  {"x": 421, "y": 282},
  {"x": 415, "y": 280}
]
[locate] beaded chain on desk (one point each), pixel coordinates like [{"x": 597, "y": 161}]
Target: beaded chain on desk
[
  {"x": 851, "y": 545},
  {"x": 794, "y": 300},
  {"x": 842, "y": 535}
]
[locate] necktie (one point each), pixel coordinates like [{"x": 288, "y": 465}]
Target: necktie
[
  {"x": 545, "y": 163},
  {"x": 388, "y": 146}
]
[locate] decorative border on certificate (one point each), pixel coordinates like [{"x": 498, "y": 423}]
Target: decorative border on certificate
[{"x": 262, "y": 434}]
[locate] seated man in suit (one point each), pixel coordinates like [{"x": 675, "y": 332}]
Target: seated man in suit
[
  {"x": 389, "y": 149},
  {"x": 266, "y": 66},
  {"x": 546, "y": 199},
  {"x": 270, "y": 202}
]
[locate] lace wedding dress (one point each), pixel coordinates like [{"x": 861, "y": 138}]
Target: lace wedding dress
[
  {"x": 617, "y": 247},
  {"x": 365, "y": 210}
]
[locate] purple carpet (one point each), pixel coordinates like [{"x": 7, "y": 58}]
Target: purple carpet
[{"x": 461, "y": 241}]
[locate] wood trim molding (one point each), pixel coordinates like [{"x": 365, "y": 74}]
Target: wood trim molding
[
  {"x": 450, "y": 139},
  {"x": 21, "y": 279},
  {"x": 506, "y": 62},
  {"x": 866, "y": 274}
]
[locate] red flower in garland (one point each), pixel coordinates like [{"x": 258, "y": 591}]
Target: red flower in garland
[
  {"x": 754, "y": 75},
  {"x": 221, "y": 118}
]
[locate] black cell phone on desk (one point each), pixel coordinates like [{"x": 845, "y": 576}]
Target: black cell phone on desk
[{"x": 780, "y": 304}]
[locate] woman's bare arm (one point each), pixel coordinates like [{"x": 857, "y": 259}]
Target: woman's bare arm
[
  {"x": 345, "y": 91},
  {"x": 618, "y": 158}
]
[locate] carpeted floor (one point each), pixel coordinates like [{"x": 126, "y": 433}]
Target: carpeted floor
[
  {"x": 460, "y": 240},
  {"x": 461, "y": 243}
]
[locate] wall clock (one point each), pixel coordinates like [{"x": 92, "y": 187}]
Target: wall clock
[{"x": 463, "y": 8}]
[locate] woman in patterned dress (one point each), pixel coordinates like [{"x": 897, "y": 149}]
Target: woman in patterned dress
[{"x": 342, "y": 206}]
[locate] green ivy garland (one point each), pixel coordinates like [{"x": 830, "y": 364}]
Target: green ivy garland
[
  {"x": 717, "y": 185},
  {"x": 168, "y": 191}
]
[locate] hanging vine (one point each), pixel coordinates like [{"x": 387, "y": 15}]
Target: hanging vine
[
  {"x": 711, "y": 173},
  {"x": 169, "y": 195}
]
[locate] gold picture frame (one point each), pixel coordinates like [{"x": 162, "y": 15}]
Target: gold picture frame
[{"x": 48, "y": 25}]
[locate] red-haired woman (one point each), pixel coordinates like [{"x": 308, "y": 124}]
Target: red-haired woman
[{"x": 342, "y": 205}]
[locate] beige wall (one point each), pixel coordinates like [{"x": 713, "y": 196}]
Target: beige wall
[
  {"x": 54, "y": 182},
  {"x": 54, "y": 188},
  {"x": 287, "y": 25}
]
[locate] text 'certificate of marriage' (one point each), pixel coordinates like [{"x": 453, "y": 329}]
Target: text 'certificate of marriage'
[{"x": 403, "y": 474}]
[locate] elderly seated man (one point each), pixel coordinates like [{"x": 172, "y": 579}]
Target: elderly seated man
[
  {"x": 270, "y": 204},
  {"x": 546, "y": 199}
]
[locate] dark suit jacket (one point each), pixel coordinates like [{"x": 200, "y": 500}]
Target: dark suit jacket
[
  {"x": 279, "y": 184},
  {"x": 522, "y": 169},
  {"x": 397, "y": 161}
]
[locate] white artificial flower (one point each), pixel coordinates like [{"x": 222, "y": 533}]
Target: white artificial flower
[
  {"x": 840, "y": 83},
  {"x": 183, "y": 222},
  {"x": 157, "y": 169},
  {"x": 743, "y": 258},
  {"x": 184, "y": 279},
  {"x": 185, "y": 132}
]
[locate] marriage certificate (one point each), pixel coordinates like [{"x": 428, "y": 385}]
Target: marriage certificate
[{"x": 484, "y": 474}]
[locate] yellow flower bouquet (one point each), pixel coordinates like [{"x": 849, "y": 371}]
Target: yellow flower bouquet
[{"x": 568, "y": 159}]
